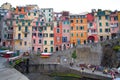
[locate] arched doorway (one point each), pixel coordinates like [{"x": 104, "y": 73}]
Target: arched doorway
[
  {"x": 91, "y": 39},
  {"x": 56, "y": 48},
  {"x": 64, "y": 47},
  {"x": 73, "y": 44}
]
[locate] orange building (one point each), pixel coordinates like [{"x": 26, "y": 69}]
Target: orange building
[{"x": 78, "y": 25}]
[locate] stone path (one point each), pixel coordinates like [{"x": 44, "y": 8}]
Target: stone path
[{"x": 8, "y": 73}]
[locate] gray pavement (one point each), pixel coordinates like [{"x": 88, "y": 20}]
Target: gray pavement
[{"x": 9, "y": 73}]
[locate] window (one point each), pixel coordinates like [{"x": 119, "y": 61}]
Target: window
[
  {"x": 49, "y": 10},
  {"x": 81, "y": 21},
  {"x": 77, "y": 27},
  {"x": 38, "y": 49},
  {"x": 71, "y": 21},
  {"x": 19, "y": 28},
  {"x": 39, "y": 41},
  {"x": 71, "y": 27},
  {"x": 76, "y": 21},
  {"x": 99, "y": 17},
  {"x": 43, "y": 10},
  {"x": 107, "y": 17},
  {"x": 40, "y": 35},
  {"x": 26, "y": 29},
  {"x": 100, "y": 30},
  {"x": 51, "y": 42},
  {"x": 34, "y": 41},
  {"x": 81, "y": 34},
  {"x": 64, "y": 30},
  {"x": 45, "y": 42},
  {"x": 49, "y": 14},
  {"x": 28, "y": 23},
  {"x": 20, "y": 43},
  {"x": 25, "y": 35},
  {"x": 72, "y": 34},
  {"x": 23, "y": 23},
  {"x": 45, "y": 50},
  {"x": 32, "y": 48},
  {"x": 16, "y": 22},
  {"x": 45, "y": 35},
  {"x": 34, "y": 14},
  {"x": 28, "y": 14},
  {"x": 51, "y": 35},
  {"x": 77, "y": 34},
  {"x": 45, "y": 28},
  {"x": 106, "y": 30},
  {"x": 36, "y": 23},
  {"x": 51, "y": 28},
  {"x": 81, "y": 27},
  {"x": 19, "y": 36},
  {"x": 49, "y": 19},
  {"x": 91, "y": 24},
  {"x": 34, "y": 34},
  {"x": 115, "y": 18},
  {"x": 25, "y": 43},
  {"x": 64, "y": 39},
  {"x": 68, "y": 31},
  {"x": 106, "y": 23},
  {"x": 58, "y": 30},
  {"x": 51, "y": 49},
  {"x": 100, "y": 24}
]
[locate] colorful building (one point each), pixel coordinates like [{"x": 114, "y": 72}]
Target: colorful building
[
  {"x": 48, "y": 35},
  {"x": 65, "y": 30},
  {"x": 37, "y": 34},
  {"x": 22, "y": 33},
  {"x": 8, "y": 30},
  {"x": 103, "y": 24},
  {"x": 48, "y": 13},
  {"x": 92, "y": 28},
  {"x": 114, "y": 25},
  {"x": 57, "y": 31},
  {"x": 79, "y": 29}
]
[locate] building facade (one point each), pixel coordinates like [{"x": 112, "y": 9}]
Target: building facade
[
  {"x": 92, "y": 28},
  {"x": 78, "y": 31},
  {"x": 65, "y": 30},
  {"x": 103, "y": 24},
  {"x": 114, "y": 25},
  {"x": 57, "y": 31},
  {"x": 48, "y": 34}
]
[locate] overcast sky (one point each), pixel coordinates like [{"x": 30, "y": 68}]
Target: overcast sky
[{"x": 74, "y": 6}]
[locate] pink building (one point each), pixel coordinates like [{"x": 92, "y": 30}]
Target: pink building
[
  {"x": 114, "y": 24},
  {"x": 65, "y": 30},
  {"x": 8, "y": 26},
  {"x": 92, "y": 28},
  {"x": 37, "y": 34}
]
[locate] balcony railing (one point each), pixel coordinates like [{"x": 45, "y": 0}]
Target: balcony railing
[{"x": 17, "y": 38}]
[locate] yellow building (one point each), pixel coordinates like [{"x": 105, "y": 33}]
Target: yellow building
[
  {"x": 22, "y": 34},
  {"x": 78, "y": 25},
  {"x": 48, "y": 40},
  {"x": 103, "y": 24}
]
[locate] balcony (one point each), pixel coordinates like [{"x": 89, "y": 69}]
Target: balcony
[
  {"x": 25, "y": 31},
  {"x": 17, "y": 38},
  {"x": 9, "y": 38},
  {"x": 113, "y": 25}
]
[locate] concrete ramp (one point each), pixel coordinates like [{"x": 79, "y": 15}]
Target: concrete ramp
[{"x": 8, "y": 73}]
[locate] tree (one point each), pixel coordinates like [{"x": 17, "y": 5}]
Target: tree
[{"x": 74, "y": 55}]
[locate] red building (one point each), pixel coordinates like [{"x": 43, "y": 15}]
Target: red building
[
  {"x": 57, "y": 31},
  {"x": 92, "y": 28}
]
